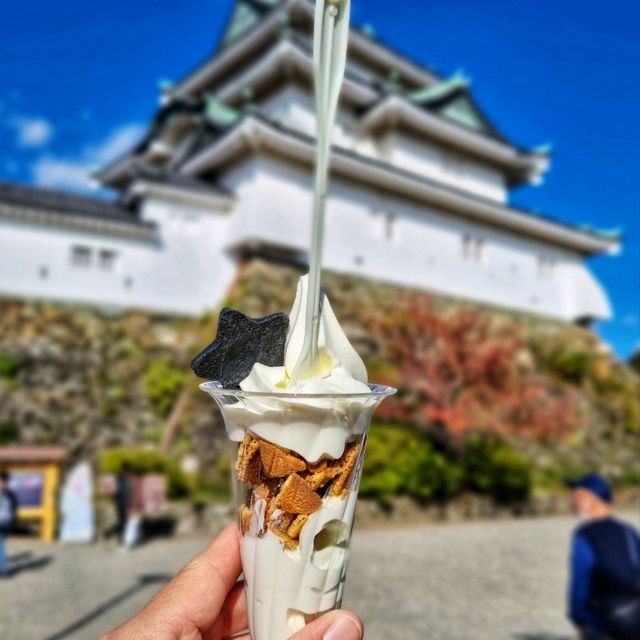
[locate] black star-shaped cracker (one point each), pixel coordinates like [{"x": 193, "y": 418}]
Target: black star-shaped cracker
[{"x": 240, "y": 343}]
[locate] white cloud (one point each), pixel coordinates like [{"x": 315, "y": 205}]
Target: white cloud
[
  {"x": 30, "y": 131},
  {"x": 63, "y": 174},
  {"x": 74, "y": 173},
  {"x": 119, "y": 141}
]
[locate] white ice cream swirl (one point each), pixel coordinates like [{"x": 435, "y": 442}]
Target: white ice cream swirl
[
  {"x": 297, "y": 416},
  {"x": 340, "y": 368}
]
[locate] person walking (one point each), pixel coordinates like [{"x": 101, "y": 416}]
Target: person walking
[
  {"x": 123, "y": 498},
  {"x": 8, "y": 511},
  {"x": 604, "y": 591}
]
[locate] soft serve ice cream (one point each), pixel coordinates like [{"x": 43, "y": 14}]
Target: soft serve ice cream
[
  {"x": 298, "y": 457},
  {"x": 313, "y": 428},
  {"x": 295, "y": 400}
]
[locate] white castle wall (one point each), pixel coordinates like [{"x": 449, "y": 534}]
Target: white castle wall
[
  {"x": 183, "y": 270},
  {"x": 417, "y": 247},
  {"x": 35, "y": 261},
  {"x": 195, "y": 271},
  {"x": 444, "y": 166},
  {"x": 188, "y": 268},
  {"x": 295, "y": 109}
]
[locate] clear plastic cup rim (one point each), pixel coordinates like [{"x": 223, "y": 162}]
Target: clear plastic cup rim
[{"x": 375, "y": 391}]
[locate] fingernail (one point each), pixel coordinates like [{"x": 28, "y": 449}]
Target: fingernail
[{"x": 343, "y": 628}]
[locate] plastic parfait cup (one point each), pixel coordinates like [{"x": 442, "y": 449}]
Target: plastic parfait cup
[{"x": 297, "y": 461}]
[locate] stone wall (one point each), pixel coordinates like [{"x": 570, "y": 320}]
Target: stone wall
[
  {"x": 90, "y": 379},
  {"x": 582, "y": 406}
]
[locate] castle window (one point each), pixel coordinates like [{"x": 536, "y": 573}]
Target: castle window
[
  {"x": 385, "y": 225},
  {"x": 472, "y": 248},
  {"x": 390, "y": 224},
  {"x": 546, "y": 267},
  {"x": 107, "y": 259},
  {"x": 81, "y": 256}
]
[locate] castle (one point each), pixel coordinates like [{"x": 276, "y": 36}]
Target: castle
[{"x": 419, "y": 192}]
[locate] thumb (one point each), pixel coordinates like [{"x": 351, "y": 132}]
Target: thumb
[{"x": 336, "y": 625}]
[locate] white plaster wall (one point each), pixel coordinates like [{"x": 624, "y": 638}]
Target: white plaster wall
[
  {"x": 26, "y": 250},
  {"x": 184, "y": 270},
  {"x": 426, "y": 250},
  {"x": 188, "y": 269},
  {"x": 194, "y": 271},
  {"x": 447, "y": 167},
  {"x": 295, "y": 108},
  {"x": 584, "y": 293}
]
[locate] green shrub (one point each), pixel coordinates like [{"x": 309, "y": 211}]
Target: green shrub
[
  {"x": 9, "y": 366},
  {"x": 552, "y": 477},
  {"x": 512, "y": 476},
  {"x": 574, "y": 366},
  {"x": 629, "y": 478},
  {"x": 162, "y": 384},
  {"x": 214, "y": 483},
  {"x": 400, "y": 461},
  {"x": 9, "y": 433},
  {"x": 494, "y": 468},
  {"x": 146, "y": 461}
]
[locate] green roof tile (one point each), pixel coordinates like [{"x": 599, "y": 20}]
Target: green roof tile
[
  {"x": 441, "y": 90},
  {"x": 245, "y": 15},
  {"x": 219, "y": 113}
]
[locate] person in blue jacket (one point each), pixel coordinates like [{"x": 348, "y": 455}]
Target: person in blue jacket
[
  {"x": 604, "y": 591},
  {"x": 8, "y": 511}
]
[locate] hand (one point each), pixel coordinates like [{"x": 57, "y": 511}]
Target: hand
[{"x": 204, "y": 602}]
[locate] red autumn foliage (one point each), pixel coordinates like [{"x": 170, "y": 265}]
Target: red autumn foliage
[{"x": 460, "y": 370}]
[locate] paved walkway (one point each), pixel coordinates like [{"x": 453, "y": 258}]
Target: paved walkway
[{"x": 481, "y": 581}]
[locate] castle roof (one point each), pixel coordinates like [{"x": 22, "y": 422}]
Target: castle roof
[
  {"x": 180, "y": 187},
  {"x": 254, "y": 132},
  {"x": 34, "y": 204},
  {"x": 267, "y": 44},
  {"x": 444, "y": 111}
]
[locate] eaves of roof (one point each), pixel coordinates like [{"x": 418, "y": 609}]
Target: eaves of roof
[
  {"x": 257, "y": 132},
  {"x": 393, "y": 108}
]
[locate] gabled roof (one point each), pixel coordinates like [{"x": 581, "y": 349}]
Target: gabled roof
[
  {"x": 520, "y": 165},
  {"x": 285, "y": 57},
  {"x": 65, "y": 203},
  {"x": 452, "y": 99},
  {"x": 260, "y": 31},
  {"x": 258, "y": 53},
  {"x": 244, "y": 15},
  {"x": 255, "y": 132}
]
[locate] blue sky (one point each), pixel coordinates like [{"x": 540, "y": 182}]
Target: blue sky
[{"x": 79, "y": 79}]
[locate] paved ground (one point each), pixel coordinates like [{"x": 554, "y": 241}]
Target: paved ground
[{"x": 481, "y": 581}]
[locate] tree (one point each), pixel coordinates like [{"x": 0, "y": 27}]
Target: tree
[{"x": 463, "y": 370}]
